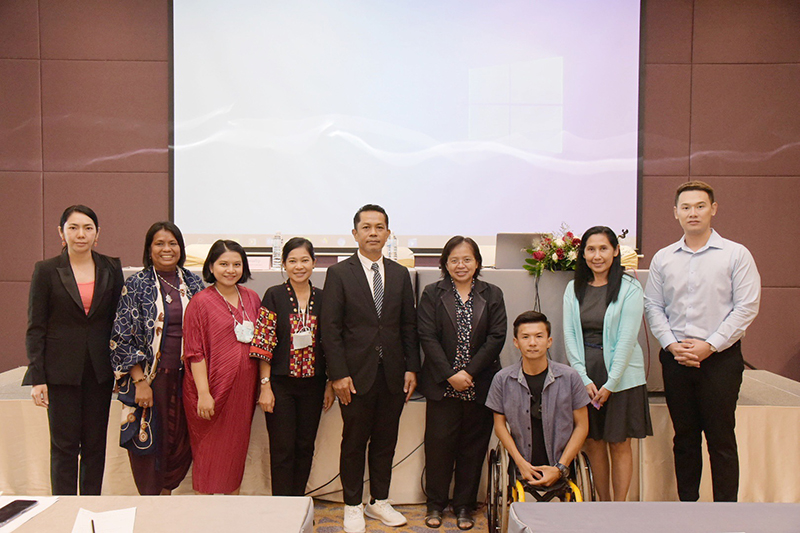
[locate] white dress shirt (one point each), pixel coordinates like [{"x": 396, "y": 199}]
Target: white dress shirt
[
  {"x": 367, "y": 264},
  {"x": 711, "y": 294}
]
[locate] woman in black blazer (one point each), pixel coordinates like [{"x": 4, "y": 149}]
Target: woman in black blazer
[
  {"x": 462, "y": 329},
  {"x": 73, "y": 299}
]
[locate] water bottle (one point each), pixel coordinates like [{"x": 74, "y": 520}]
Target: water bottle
[
  {"x": 393, "y": 247},
  {"x": 277, "y": 251}
]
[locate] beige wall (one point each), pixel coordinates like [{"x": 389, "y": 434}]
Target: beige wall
[{"x": 84, "y": 117}]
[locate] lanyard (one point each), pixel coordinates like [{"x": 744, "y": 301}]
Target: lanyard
[
  {"x": 230, "y": 309},
  {"x": 304, "y": 313}
]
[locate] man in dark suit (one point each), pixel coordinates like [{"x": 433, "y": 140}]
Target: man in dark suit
[{"x": 369, "y": 335}]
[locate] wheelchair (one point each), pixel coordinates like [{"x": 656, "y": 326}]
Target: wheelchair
[{"x": 506, "y": 485}]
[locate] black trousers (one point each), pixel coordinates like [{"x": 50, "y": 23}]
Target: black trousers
[
  {"x": 372, "y": 417},
  {"x": 78, "y": 416},
  {"x": 292, "y": 430},
  {"x": 457, "y": 435},
  {"x": 703, "y": 400}
]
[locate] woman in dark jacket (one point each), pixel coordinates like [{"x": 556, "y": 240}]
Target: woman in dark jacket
[
  {"x": 73, "y": 298},
  {"x": 294, "y": 387},
  {"x": 462, "y": 329}
]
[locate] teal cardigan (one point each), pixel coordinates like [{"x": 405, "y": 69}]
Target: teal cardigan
[{"x": 621, "y": 351}]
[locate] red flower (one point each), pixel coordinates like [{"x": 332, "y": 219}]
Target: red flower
[
  {"x": 569, "y": 235},
  {"x": 538, "y": 255},
  {"x": 576, "y": 242},
  {"x": 560, "y": 254}
]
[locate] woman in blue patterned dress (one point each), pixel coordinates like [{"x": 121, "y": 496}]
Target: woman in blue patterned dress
[{"x": 147, "y": 357}]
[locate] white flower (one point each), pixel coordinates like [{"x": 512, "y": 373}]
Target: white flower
[
  {"x": 559, "y": 242},
  {"x": 572, "y": 256},
  {"x": 555, "y": 257}
]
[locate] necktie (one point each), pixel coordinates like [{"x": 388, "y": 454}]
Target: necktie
[{"x": 377, "y": 288}]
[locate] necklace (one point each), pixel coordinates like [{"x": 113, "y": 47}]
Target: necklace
[{"x": 168, "y": 296}]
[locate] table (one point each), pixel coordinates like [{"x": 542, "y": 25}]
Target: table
[
  {"x": 662, "y": 517},
  {"x": 198, "y": 514}
]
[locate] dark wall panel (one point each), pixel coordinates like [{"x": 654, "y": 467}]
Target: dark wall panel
[
  {"x": 667, "y": 31},
  {"x": 13, "y": 323},
  {"x": 746, "y": 120},
  {"x": 666, "y": 119},
  {"x": 21, "y": 220},
  {"x": 20, "y": 116},
  {"x": 105, "y": 29},
  {"x": 105, "y": 116},
  {"x": 19, "y": 29},
  {"x": 772, "y": 343},
  {"x": 749, "y": 31}
]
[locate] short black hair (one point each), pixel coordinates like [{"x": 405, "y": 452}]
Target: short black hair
[
  {"x": 531, "y": 317},
  {"x": 369, "y": 207},
  {"x": 297, "y": 242},
  {"x": 448, "y": 249},
  {"x": 217, "y": 249},
  {"x": 78, "y": 208},
  {"x": 166, "y": 225}
]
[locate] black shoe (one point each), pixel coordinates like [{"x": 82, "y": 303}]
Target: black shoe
[
  {"x": 433, "y": 519},
  {"x": 464, "y": 520}
]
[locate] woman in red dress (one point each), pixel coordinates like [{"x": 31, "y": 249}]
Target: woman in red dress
[{"x": 219, "y": 393}]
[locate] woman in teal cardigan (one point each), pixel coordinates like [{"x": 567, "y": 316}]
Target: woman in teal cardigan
[{"x": 603, "y": 309}]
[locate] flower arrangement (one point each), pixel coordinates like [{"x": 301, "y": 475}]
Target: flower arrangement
[{"x": 555, "y": 253}]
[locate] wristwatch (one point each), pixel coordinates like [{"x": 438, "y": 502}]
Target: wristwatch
[
  {"x": 563, "y": 469},
  {"x": 265, "y": 380}
]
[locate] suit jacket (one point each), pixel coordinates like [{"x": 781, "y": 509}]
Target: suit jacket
[
  {"x": 60, "y": 334},
  {"x": 352, "y": 334},
  {"x": 438, "y": 334}
]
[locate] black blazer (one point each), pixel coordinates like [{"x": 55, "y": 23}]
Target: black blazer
[
  {"x": 60, "y": 333},
  {"x": 352, "y": 333},
  {"x": 438, "y": 336}
]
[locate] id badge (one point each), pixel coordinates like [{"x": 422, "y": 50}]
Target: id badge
[
  {"x": 244, "y": 332},
  {"x": 301, "y": 339}
]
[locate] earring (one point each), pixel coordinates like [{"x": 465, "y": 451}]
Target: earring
[{"x": 63, "y": 243}]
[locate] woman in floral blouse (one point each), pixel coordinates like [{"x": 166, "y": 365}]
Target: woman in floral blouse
[{"x": 462, "y": 329}]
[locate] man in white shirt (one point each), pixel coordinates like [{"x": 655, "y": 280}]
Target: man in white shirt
[
  {"x": 702, "y": 294},
  {"x": 368, "y": 327}
]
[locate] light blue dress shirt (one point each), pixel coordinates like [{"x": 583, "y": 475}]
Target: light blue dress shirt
[{"x": 711, "y": 294}]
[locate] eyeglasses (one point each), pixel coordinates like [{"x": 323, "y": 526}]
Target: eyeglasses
[{"x": 467, "y": 261}]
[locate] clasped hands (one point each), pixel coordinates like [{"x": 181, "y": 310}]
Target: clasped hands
[
  {"x": 540, "y": 476},
  {"x": 598, "y": 397},
  {"x": 690, "y": 352}
]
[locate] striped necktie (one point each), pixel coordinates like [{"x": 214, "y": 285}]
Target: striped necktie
[{"x": 377, "y": 288}]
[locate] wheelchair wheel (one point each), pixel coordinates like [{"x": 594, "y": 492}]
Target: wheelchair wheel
[
  {"x": 493, "y": 493},
  {"x": 582, "y": 477}
]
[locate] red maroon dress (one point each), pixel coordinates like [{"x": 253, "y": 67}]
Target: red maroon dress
[{"x": 219, "y": 445}]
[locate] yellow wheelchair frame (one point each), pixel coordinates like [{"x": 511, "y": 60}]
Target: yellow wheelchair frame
[{"x": 505, "y": 488}]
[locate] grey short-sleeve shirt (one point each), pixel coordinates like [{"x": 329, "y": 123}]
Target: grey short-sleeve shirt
[{"x": 563, "y": 393}]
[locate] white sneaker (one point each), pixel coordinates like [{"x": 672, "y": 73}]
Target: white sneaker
[
  {"x": 354, "y": 519},
  {"x": 382, "y": 510}
]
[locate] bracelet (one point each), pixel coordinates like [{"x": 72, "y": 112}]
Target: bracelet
[
  {"x": 563, "y": 469},
  {"x": 137, "y": 381},
  {"x": 265, "y": 380}
]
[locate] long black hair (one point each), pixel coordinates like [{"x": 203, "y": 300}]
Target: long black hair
[{"x": 584, "y": 274}]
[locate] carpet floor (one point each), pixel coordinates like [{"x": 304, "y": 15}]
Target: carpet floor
[{"x": 328, "y": 519}]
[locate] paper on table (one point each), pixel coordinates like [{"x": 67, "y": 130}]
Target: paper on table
[
  {"x": 119, "y": 521},
  {"x": 44, "y": 503}
]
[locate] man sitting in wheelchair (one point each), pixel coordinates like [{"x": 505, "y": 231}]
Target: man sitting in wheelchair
[{"x": 544, "y": 405}]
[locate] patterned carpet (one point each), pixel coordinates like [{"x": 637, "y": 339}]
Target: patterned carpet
[{"x": 328, "y": 519}]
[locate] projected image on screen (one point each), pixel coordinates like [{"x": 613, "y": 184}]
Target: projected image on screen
[{"x": 459, "y": 117}]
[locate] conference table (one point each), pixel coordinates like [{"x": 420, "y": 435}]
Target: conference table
[
  {"x": 768, "y": 423},
  {"x": 198, "y": 514}
]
